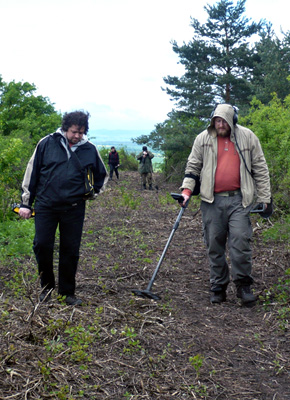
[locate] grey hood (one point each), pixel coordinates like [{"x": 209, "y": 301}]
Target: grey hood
[{"x": 225, "y": 111}]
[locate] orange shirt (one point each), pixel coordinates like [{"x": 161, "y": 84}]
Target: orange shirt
[{"x": 227, "y": 175}]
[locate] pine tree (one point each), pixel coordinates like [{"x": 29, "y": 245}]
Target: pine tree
[
  {"x": 272, "y": 66},
  {"x": 218, "y": 61}
]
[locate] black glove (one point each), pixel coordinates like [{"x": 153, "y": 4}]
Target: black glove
[
  {"x": 264, "y": 213},
  {"x": 269, "y": 210}
]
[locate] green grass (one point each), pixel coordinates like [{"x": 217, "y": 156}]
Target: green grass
[{"x": 16, "y": 238}]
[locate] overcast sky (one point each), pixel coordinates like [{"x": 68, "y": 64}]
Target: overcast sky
[{"x": 108, "y": 57}]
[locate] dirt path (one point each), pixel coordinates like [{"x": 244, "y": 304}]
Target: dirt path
[{"x": 180, "y": 347}]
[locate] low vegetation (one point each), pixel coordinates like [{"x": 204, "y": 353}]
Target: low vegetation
[{"x": 119, "y": 346}]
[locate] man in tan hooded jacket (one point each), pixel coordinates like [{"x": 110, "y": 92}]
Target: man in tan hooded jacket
[{"x": 229, "y": 161}]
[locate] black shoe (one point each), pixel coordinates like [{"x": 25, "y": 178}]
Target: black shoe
[
  {"x": 218, "y": 297},
  {"x": 150, "y": 187},
  {"x": 45, "y": 295},
  {"x": 246, "y": 295},
  {"x": 72, "y": 301},
  {"x": 144, "y": 187}
]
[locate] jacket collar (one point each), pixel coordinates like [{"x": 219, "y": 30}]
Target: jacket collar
[{"x": 75, "y": 146}]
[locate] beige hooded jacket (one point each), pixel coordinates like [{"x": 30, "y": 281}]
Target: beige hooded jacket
[{"x": 202, "y": 161}]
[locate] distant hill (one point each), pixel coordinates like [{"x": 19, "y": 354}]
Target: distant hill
[{"x": 117, "y": 136}]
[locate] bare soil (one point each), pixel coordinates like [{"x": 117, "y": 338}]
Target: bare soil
[{"x": 118, "y": 346}]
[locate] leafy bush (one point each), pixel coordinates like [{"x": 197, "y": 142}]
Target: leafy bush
[
  {"x": 280, "y": 231},
  {"x": 271, "y": 123},
  {"x": 24, "y": 119},
  {"x": 128, "y": 160},
  {"x": 11, "y": 173}
]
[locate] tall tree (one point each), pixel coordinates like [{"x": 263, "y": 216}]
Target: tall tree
[
  {"x": 222, "y": 63},
  {"x": 271, "y": 66},
  {"x": 23, "y": 113},
  {"x": 218, "y": 60}
]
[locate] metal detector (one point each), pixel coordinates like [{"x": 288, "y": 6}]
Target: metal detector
[
  {"x": 259, "y": 208},
  {"x": 147, "y": 292},
  {"x": 263, "y": 211}
]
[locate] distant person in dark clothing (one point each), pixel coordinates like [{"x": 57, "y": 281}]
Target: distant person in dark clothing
[
  {"x": 114, "y": 162},
  {"x": 145, "y": 167}
]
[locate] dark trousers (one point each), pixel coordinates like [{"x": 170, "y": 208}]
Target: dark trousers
[
  {"x": 227, "y": 221},
  {"x": 112, "y": 169},
  {"x": 70, "y": 223}
]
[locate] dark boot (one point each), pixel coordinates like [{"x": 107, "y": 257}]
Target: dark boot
[
  {"x": 246, "y": 295},
  {"x": 217, "y": 297},
  {"x": 144, "y": 186},
  {"x": 73, "y": 301},
  {"x": 150, "y": 187},
  {"x": 45, "y": 295}
]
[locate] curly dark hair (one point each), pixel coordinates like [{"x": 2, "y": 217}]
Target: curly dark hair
[{"x": 78, "y": 118}]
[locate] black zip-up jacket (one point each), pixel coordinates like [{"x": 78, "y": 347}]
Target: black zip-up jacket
[
  {"x": 55, "y": 179},
  {"x": 113, "y": 158}
]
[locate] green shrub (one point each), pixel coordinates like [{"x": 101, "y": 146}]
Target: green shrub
[
  {"x": 271, "y": 123},
  {"x": 280, "y": 231}
]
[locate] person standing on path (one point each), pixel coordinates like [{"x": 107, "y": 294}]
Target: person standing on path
[
  {"x": 54, "y": 182},
  {"x": 145, "y": 167},
  {"x": 229, "y": 161},
  {"x": 113, "y": 162}
]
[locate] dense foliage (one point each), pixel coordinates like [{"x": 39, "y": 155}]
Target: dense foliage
[
  {"x": 24, "y": 119},
  {"x": 271, "y": 123}
]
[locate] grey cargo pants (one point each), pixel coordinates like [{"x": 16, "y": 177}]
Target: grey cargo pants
[{"x": 227, "y": 220}]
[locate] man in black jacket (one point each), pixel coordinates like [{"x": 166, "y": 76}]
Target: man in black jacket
[{"x": 55, "y": 182}]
